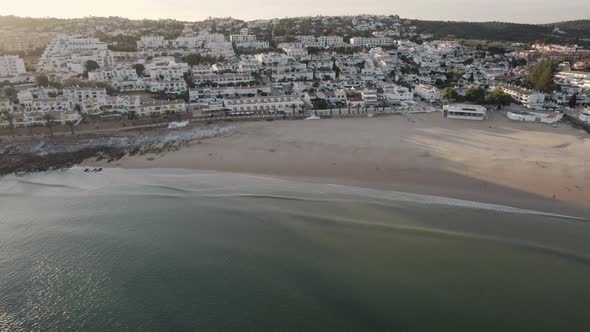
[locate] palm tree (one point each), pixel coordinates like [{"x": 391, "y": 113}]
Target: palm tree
[
  {"x": 293, "y": 107},
  {"x": 10, "y": 118},
  {"x": 71, "y": 124},
  {"x": 349, "y": 105},
  {"x": 358, "y": 108},
  {"x": 49, "y": 123}
]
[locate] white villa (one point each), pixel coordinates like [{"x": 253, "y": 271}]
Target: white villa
[{"x": 428, "y": 92}]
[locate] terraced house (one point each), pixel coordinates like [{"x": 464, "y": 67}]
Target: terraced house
[{"x": 264, "y": 105}]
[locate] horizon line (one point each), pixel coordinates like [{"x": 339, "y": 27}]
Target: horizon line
[{"x": 284, "y": 17}]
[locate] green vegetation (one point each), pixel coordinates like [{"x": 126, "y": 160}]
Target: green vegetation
[
  {"x": 540, "y": 76},
  {"x": 198, "y": 59},
  {"x": 10, "y": 93},
  {"x": 478, "y": 96},
  {"x": 91, "y": 65},
  {"x": 139, "y": 69},
  {"x": 42, "y": 80},
  {"x": 573, "y": 101}
]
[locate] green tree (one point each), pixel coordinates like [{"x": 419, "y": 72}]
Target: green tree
[
  {"x": 475, "y": 95},
  {"x": 450, "y": 94},
  {"x": 10, "y": 93},
  {"x": 42, "y": 80},
  {"x": 49, "y": 123},
  {"x": 91, "y": 65},
  {"x": 9, "y": 117},
  {"x": 540, "y": 76},
  {"x": 573, "y": 101},
  {"x": 500, "y": 98},
  {"x": 71, "y": 124},
  {"x": 139, "y": 69}
]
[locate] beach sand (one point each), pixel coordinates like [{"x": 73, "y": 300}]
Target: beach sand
[{"x": 527, "y": 165}]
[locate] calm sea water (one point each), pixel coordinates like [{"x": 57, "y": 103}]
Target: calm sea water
[{"x": 155, "y": 250}]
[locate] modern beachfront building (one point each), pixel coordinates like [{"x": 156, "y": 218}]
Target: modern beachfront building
[
  {"x": 464, "y": 112},
  {"x": 542, "y": 116}
]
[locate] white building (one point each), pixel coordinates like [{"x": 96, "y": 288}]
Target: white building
[
  {"x": 152, "y": 42},
  {"x": 208, "y": 94},
  {"x": 428, "y": 92},
  {"x": 71, "y": 52},
  {"x": 371, "y": 41},
  {"x": 527, "y": 98},
  {"x": 163, "y": 70},
  {"x": 265, "y": 105},
  {"x": 464, "y": 112},
  {"x": 5, "y": 105},
  {"x": 549, "y": 117},
  {"x": 585, "y": 116},
  {"x": 85, "y": 95},
  {"x": 253, "y": 44},
  {"x": 11, "y": 65},
  {"x": 172, "y": 87},
  {"x": 161, "y": 107},
  {"x": 44, "y": 105},
  {"x": 224, "y": 79},
  {"x": 243, "y": 36},
  {"x": 118, "y": 74},
  {"x": 398, "y": 93},
  {"x": 321, "y": 41}
]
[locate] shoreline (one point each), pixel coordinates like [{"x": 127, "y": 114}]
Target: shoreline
[{"x": 497, "y": 161}]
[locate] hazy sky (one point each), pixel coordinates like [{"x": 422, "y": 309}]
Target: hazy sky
[{"x": 528, "y": 11}]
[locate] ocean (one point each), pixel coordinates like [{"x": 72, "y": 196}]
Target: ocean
[{"x": 164, "y": 250}]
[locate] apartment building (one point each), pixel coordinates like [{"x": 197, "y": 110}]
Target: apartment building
[
  {"x": 264, "y": 105},
  {"x": 161, "y": 107},
  {"x": 122, "y": 104},
  {"x": 81, "y": 96},
  {"x": 223, "y": 79},
  {"x": 119, "y": 74},
  {"x": 70, "y": 52},
  {"x": 526, "y": 97},
  {"x": 45, "y": 105},
  {"x": 167, "y": 70},
  {"x": 321, "y": 41},
  {"x": 172, "y": 87},
  {"x": 253, "y": 44},
  {"x": 11, "y": 65},
  {"x": 371, "y": 41},
  {"x": 209, "y": 94}
]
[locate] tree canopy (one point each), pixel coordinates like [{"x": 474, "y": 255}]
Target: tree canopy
[{"x": 540, "y": 76}]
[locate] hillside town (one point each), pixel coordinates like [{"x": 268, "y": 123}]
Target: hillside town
[{"x": 224, "y": 68}]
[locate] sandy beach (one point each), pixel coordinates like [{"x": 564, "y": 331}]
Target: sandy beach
[{"x": 498, "y": 161}]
